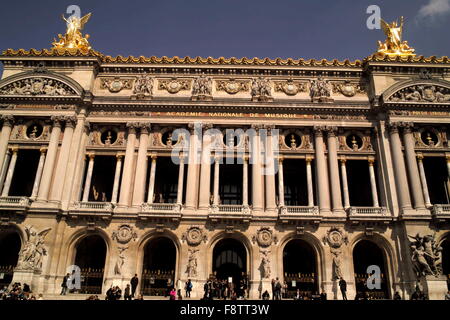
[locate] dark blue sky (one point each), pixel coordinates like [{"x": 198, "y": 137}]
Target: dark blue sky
[{"x": 262, "y": 28}]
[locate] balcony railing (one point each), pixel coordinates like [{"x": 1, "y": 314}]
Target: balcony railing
[
  {"x": 298, "y": 210},
  {"x": 161, "y": 207},
  {"x": 441, "y": 210},
  {"x": 93, "y": 206},
  {"x": 380, "y": 211},
  {"x": 229, "y": 209},
  {"x": 15, "y": 202}
]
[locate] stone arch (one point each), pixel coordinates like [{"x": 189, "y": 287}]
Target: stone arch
[
  {"x": 398, "y": 87},
  {"x": 388, "y": 255},
  {"x": 146, "y": 239},
  {"x": 444, "y": 242},
  {"x": 68, "y": 82},
  {"x": 318, "y": 249},
  {"x": 222, "y": 235},
  {"x": 12, "y": 239}
]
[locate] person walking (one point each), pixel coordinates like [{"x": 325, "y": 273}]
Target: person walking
[
  {"x": 134, "y": 283},
  {"x": 64, "y": 285},
  {"x": 343, "y": 286},
  {"x": 127, "y": 293},
  {"x": 188, "y": 288}
]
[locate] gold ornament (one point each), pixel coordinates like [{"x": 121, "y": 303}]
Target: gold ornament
[
  {"x": 394, "y": 46},
  {"x": 73, "y": 39}
]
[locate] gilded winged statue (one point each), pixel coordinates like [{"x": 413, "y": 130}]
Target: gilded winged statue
[
  {"x": 394, "y": 44},
  {"x": 74, "y": 39}
]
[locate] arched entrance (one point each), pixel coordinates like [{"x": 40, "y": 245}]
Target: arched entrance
[
  {"x": 90, "y": 257},
  {"x": 160, "y": 257},
  {"x": 446, "y": 259},
  {"x": 10, "y": 244},
  {"x": 366, "y": 253},
  {"x": 300, "y": 268},
  {"x": 229, "y": 261}
]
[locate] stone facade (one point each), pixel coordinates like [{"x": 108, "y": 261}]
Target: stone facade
[{"x": 390, "y": 113}]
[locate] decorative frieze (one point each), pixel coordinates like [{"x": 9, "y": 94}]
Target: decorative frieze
[
  {"x": 232, "y": 86},
  {"x": 37, "y": 86},
  {"x": 422, "y": 93},
  {"x": 291, "y": 87},
  {"x": 174, "y": 85},
  {"x": 116, "y": 84}
]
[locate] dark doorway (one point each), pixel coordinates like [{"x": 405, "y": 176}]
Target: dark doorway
[
  {"x": 24, "y": 173},
  {"x": 10, "y": 245},
  {"x": 230, "y": 183},
  {"x": 294, "y": 178},
  {"x": 102, "y": 178},
  {"x": 160, "y": 257},
  {"x": 90, "y": 257},
  {"x": 230, "y": 261},
  {"x": 358, "y": 180},
  {"x": 166, "y": 180},
  {"x": 446, "y": 260},
  {"x": 299, "y": 268},
  {"x": 437, "y": 179},
  {"x": 365, "y": 254}
]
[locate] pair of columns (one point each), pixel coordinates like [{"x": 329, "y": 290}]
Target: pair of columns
[
  {"x": 403, "y": 183},
  {"x": 309, "y": 183}
]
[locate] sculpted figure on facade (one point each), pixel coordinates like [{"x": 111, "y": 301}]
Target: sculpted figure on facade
[
  {"x": 426, "y": 255},
  {"x": 394, "y": 44},
  {"x": 265, "y": 264},
  {"x": 261, "y": 89},
  {"x": 37, "y": 86},
  {"x": 120, "y": 260},
  {"x": 202, "y": 88},
  {"x": 143, "y": 86},
  {"x": 73, "y": 39},
  {"x": 335, "y": 238},
  {"x": 33, "y": 251},
  {"x": 422, "y": 93},
  {"x": 191, "y": 268},
  {"x": 320, "y": 90}
]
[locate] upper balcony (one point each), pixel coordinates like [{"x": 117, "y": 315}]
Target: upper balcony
[
  {"x": 161, "y": 210},
  {"x": 103, "y": 210},
  {"x": 19, "y": 204},
  {"x": 288, "y": 213},
  {"x": 357, "y": 214},
  {"x": 441, "y": 211}
]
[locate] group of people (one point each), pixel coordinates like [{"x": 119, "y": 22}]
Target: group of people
[
  {"x": 18, "y": 292},
  {"x": 223, "y": 289}
]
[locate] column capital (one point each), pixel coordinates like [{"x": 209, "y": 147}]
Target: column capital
[
  {"x": 331, "y": 130},
  {"x": 309, "y": 160},
  {"x": 447, "y": 157},
  {"x": 154, "y": 156},
  {"x": 280, "y": 159},
  {"x": 43, "y": 150},
  {"x": 144, "y": 127},
  {"x": 318, "y": 130},
  {"x": 8, "y": 120},
  {"x": 91, "y": 156},
  {"x": 407, "y": 126},
  {"x": 343, "y": 160},
  {"x": 392, "y": 126},
  {"x": 120, "y": 155},
  {"x": 56, "y": 120},
  {"x": 14, "y": 149},
  {"x": 420, "y": 157},
  {"x": 268, "y": 128},
  {"x": 70, "y": 121},
  {"x": 371, "y": 160},
  {"x": 87, "y": 126},
  {"x": 132, "y": 126},
  {"x": 257, "y": 127}
]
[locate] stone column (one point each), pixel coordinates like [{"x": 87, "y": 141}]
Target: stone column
[
  {"x": 180, "y": 180},
  {"x": 257, "y": 191},
  {"x": 50, "y": 159},
  {"x": 345, "y": 183},
  {"x": 205, "y": 171},
  {"x": 37, "y": 178},
  {"x": 423, "y": 178},
  {"x": 321, "y": 171},
  {"x": 448, "y": 164},
  {"x": 63, "y": 159},
  {"x": 280, "y": 183},
  {"x": 309, "y": 182},
  {"x": 115, "y": 191},
  {"x": 270, "y": 172},
  {"x": 216, "y": 180},
  {"x": 193, "y": 166},
  {"x": 336, "y": 196},
  {"x": 245, "y": 181},
  {"x": 141, "y": 167},
  {"x": 127, "y": 175},
  {"x": 10, "y": 174},
  {"x": 413, "y": 170},
  {"x": 399, "y": 168},
  {"x": 87, "y": 184},
  {"x": 4, "y": 169},
  {"x": 8, "y": 123},
  {"x": 151, "y": 183},
  {"x": 373, "y": 183}
]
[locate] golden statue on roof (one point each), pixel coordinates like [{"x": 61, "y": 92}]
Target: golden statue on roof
[
  {"x": 394, "y": 46},
  {"x": 74, "y": 39}
]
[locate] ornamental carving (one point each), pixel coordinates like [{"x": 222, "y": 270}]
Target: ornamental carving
[
  {"x": 115, "y": 85},
  {"x": 335, "y": 238},
  {"x": 320, "y": 90},
  {"x": 261, "y": 89},
  {"x": 202, "y": 88},
  {"x": 421, "y": 93},
  {"x": 426, "y": 255},
  {"x": 124, "y": 234},
  {"x": 120, "y": 260},
  {"x": 33, "y": 251},
  {"x": 265, "y": 264},
  {"x": 290, "y": 87},
  {"x": 174, "y": 85},
  {"x": 265, "y": 237},
  {"x": 191, "y": 268},
  {"x": 194, "y": 236},
  {"x": 347, "y": 88},
  {"x": 232, "y": 86},
  {"x": 38, "y": 86},
  {"x": 143, "y": 86}
]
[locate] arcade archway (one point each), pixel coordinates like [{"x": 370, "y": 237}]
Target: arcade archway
[
  {"x": 366, "y": 253},
  {"x": 159, "y": 265},
  {"x": 300, "y": 268},
  {"x": 90, "y": 258},
  {"x": 10, "y": 244},
  {"x": 230, "y": 261}
]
